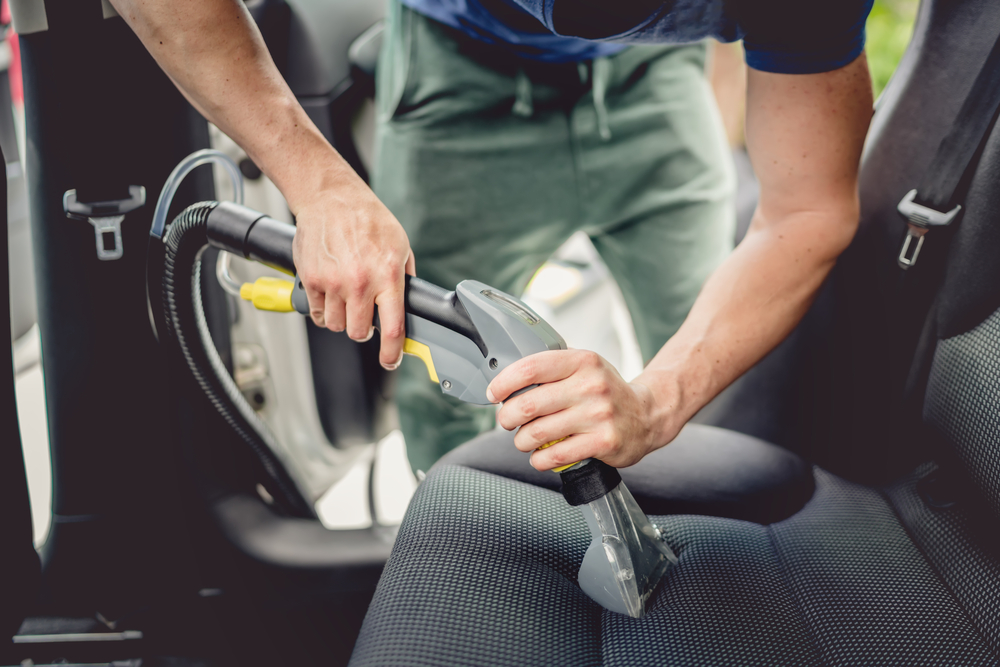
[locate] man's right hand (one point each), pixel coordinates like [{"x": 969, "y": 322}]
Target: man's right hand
[{"x": 351, "y": 254}]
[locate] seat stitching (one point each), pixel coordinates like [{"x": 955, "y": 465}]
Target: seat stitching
[
  {"x": 782, "y": 568},
  {"x": 934, "y": 568}
]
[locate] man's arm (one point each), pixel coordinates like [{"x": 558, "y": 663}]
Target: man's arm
[
  {"x": 349, "y": 250},
  {"x": 805, "y": 135}
]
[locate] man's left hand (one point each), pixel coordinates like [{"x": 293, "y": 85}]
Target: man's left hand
[{"x": 581, "y": 401}]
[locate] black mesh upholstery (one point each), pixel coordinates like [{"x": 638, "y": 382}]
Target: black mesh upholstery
[
  {"x": 483, "y": 573},
  {"x": 962, "y": 544},
  {"x": 963, "y": 402},
  {"x": 705, "y": 470},
  {"x": 885, "y": 573}
]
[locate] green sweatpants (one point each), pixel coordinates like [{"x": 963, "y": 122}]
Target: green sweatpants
[{"x": 491, "y": 162}]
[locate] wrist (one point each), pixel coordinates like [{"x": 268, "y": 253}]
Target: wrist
[
  {"x": 320, "y": 178},
  {"x": 674, "y": 396},
  {"x": 660, "y": 397}
]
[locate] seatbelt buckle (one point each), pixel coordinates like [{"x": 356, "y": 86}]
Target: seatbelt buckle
[
  {"x": 919, "y": 220},
  {"x": 106, "y": 217}
]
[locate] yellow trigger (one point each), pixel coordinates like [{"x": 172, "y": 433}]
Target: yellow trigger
[{"x": 420, "y": 350}]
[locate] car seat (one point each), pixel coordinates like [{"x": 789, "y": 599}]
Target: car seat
[{"x": 894, "y": 558}]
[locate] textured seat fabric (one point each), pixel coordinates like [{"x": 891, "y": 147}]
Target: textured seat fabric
[
  {"x": 483, "y": 573},
  {"x": 705, "y": 470},
  {"x": 963, "y": 401},
  {"x": 888, "y": 569}
]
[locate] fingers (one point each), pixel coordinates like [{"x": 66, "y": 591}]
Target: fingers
[
  {"x": 547, "y": 429},
  {"x": 391, "y": 328},
  {"x": 360, "y": 313},
  {"x": 538, "y": 369},
  {"x": 351, "y": 254},
  {"x": 334, "y": 312},
  {"x": 572, "y": 449},
  {"x": 532, "y": 404},
  {"x": 317, "y": 305}
]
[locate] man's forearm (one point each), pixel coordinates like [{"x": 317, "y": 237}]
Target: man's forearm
[
  {"x": 804, "y": 135},
  {"x": 214, "y": 53},
  {"x": 350, "y": 251},
  {"x": 746, "y": 308}
]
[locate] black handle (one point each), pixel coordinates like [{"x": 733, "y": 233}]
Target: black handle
[{"x": 253, "y": 235}]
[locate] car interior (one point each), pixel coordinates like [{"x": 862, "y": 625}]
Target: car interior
[{"x": 835, "y": 506}]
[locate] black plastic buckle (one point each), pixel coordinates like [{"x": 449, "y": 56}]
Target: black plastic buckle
[
  {"x": 919, "y": 220},
  {"x": 106, "y": 217},
  {"x": 939, "y": 490}
]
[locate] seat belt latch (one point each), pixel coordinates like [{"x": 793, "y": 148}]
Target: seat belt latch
[
  {"x": 106, "y": 217},
  {"x": 919, "y": 220}
]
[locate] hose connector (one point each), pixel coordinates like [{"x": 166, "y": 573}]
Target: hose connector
[{"x": 267, "y": 293}]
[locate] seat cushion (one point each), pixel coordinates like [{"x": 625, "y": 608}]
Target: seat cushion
[
  {"x": 483, "y": 573},
  {"x": 705, "y": 470}
]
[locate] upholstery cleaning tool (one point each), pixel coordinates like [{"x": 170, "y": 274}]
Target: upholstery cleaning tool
[{"x": 466, "y": 338}]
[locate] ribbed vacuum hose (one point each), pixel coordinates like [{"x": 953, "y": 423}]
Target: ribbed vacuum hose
[{"x": 184, "y": 242}]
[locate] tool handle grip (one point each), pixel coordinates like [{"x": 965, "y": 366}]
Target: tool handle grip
[{"x": 253, "y": 235}]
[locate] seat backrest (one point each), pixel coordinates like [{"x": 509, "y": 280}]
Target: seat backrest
[
  {"x": 962, "y": 405},
  {"x": 19, "y": 565},
  {"x": 311, "y": 40},
  {"x": 865, "y": 362}
]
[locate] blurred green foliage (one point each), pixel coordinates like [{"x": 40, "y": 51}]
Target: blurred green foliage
[{"x": 889, "y": 28}]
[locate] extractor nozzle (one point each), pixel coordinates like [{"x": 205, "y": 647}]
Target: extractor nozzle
[{"x": 627, "y": 557}]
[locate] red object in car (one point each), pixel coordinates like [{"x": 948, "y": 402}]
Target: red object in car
[{"x": 16, "y": 88}]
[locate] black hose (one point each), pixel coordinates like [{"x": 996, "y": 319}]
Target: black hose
[{"x": 185, "y": 321}]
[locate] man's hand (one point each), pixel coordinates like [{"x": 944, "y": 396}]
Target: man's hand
[
  {"x": 351, "y": 255},
  {"x": 582, "y": 401},
  {"x": 805, "y": 134},
  {"x": 350, "y": 252}
]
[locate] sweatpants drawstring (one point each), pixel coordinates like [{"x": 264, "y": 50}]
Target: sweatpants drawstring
[
  {"x": 599, "y": 83},
  {"x": 600, "y": 78},
  {"x": 523, "y": 104}
]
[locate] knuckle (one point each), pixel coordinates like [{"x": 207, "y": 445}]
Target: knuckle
[
  {"x": 593, "y": 387},
  {"x": 360, "y": 280},
  {"x": 604, "y": 412},
  {"x": 558, "y": 458},
  {"x": 394, "y": 330},
  {"x": 391, "y": 261},
  {"x": 313, "y": 283},
  {"x": 528, "y": 368},
  {"x": 610, "y": 439},
  {"x": 536, "y": 434},
  {"x": 527, "y": 407},
  {"x": 329, "y": 283}
]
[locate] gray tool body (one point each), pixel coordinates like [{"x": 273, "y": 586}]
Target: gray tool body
[
  {"x": 510, "y": 330},
  {"x": 466, "y": 338},
  {"x": 627, "y": 556}
]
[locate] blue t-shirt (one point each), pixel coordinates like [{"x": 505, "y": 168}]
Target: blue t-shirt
[{"x": 783, "y": 36}]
